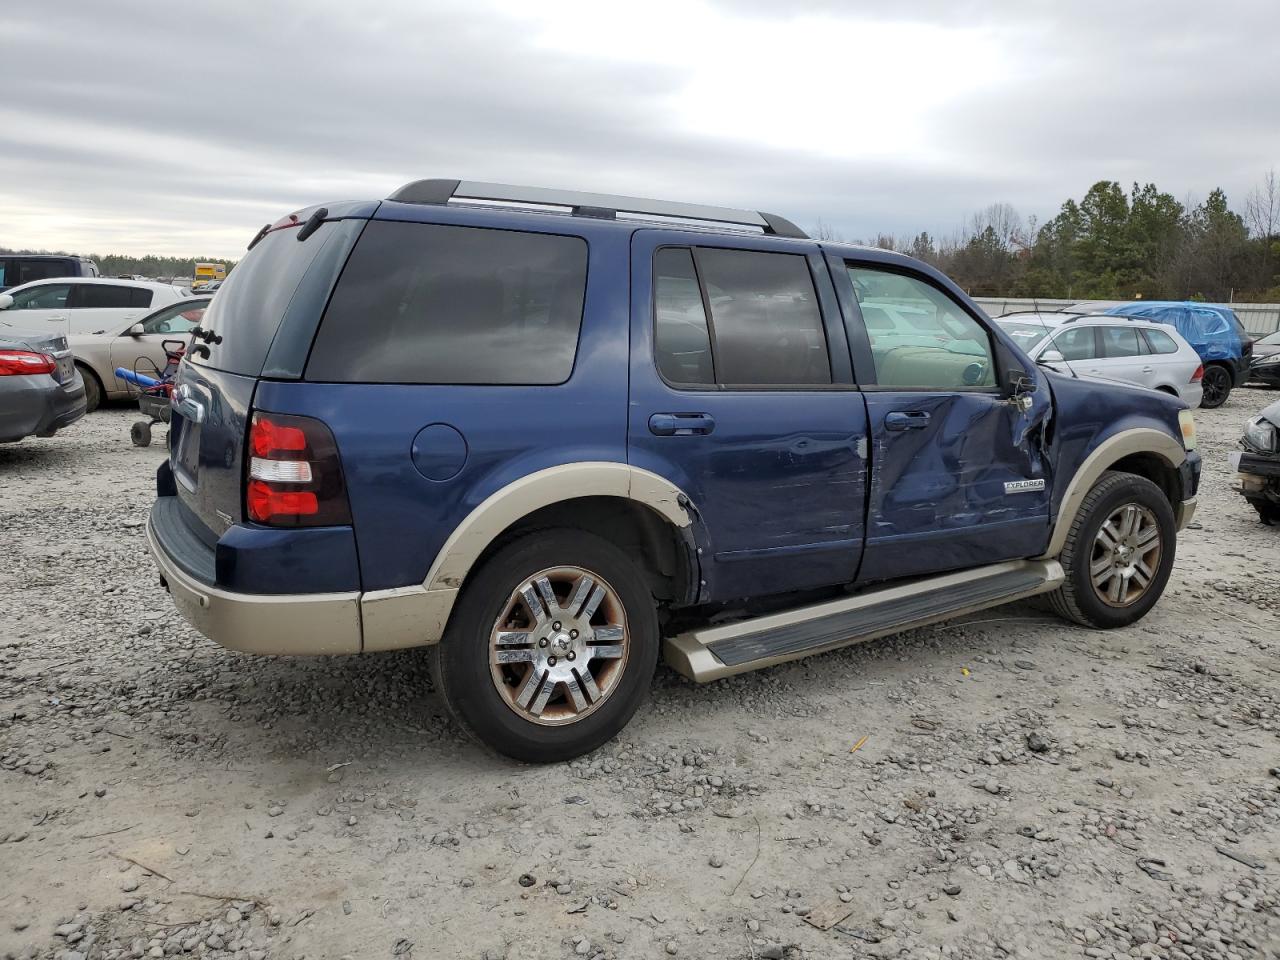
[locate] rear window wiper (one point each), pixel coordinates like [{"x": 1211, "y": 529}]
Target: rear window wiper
[{"x": 313, "y": 223}]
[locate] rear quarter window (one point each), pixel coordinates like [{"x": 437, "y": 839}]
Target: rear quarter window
[{"x": 427, "y": 303}]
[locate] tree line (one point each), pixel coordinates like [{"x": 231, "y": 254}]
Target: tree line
[
  {"x": 121, "y": 265},
  {"x": 1113, "y": 245}
]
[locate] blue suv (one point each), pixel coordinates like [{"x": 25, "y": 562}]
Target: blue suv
[{"x": 554, "y": 436}]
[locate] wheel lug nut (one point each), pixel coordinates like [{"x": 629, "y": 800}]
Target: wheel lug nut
[
  {"x": 543, "y": 642},
  {"x": 571, "y": 656},
  {"x": 556, "y": 625},
  {"x": 551, "y": 661},
  {"x": 573, "y": 634}
]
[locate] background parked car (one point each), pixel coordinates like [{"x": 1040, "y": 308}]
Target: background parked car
[
  {"x": 1265, "y": 366},
  {"x": 137, "y": 346},
  {"x": 41, "y": 390},
  {"x": 1114, "y": 348},
  {"x": 17, "y": 269},
  {"x": 1259, "y": 463},
  {"x": 1216, "y": 334},
  {"x": 83, "y": 305}
]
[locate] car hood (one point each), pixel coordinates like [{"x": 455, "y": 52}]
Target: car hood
[
  {"x": 1272, "y": 414},
  {"x": 1269, "y": 350},
  {"x": 41, "y": 342}
]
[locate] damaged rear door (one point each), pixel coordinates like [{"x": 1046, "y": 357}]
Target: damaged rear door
[
  {"x": 742, "y": 395},
  {"x": 959, "y": 476}
]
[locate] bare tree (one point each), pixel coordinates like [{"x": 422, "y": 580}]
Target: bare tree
[
  {"x": 1262, "y": 207},
  {"x": 824, "y": 231}
]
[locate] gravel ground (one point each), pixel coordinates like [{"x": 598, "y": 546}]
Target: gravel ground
[{"x": 1003, "y": 786}]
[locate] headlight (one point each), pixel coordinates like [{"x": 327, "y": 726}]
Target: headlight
[
  {"x": 1188, "y": 425},
  {"x": 1261, "y": 435}
]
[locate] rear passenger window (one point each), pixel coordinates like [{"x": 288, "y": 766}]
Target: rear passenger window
[
  {"x": 765, "y": 318},
  {"x": 140, "y": 297},
  {"x": 682, "y": 343},
  {"x": 424, "y": 303},
  {"x": 43, "y": 270},
  {"x": 765, "y": 327},
  {"x": 1160, "y": 341},
  {"x": 85, "y": 296},
  {"x": 1120, "y": 342}
]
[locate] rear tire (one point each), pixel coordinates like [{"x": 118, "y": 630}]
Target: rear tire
[
  {"x": 1114, "y": 576},
  {"x": 1217, "y": 386},
  {"x": 1268, "y": 513},
  {"x": 513, "y": 676},
  {"x": 92, "y": 389}
]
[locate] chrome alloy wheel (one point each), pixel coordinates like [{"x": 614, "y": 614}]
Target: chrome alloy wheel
[
  {"x": 1126, "y": 555},
  {"x": 559, "y": 647}
]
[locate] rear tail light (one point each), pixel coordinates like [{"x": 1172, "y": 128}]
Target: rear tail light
[
  {"x": 294, "y": 473},
  {"x": 20, "y": 362},
  {"x": 1198, "y": 375}
]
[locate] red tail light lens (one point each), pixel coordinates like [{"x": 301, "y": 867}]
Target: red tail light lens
[
  {"x": 294, "y": 475},
  {"x": 1198, "y": 375},
  {"x": 16, "y": 363}
]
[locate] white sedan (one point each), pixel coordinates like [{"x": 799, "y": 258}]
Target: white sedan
[
  {"x": 1113, "y": 348},
  {"x": 88, "y": 307}
]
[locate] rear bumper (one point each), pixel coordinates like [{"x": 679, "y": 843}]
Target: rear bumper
[
  {"x": 38, "y": 405},
  {"x": 290, "y": 624},
  {"x": 287, "y": 624}
]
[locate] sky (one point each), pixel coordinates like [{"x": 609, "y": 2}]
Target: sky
[{"x": 178, "y": 129}]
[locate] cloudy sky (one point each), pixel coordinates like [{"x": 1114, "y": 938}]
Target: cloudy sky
[{"x": 138, "y": 127}]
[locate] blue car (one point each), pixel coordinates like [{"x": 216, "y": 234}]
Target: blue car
[
  {"x": 1216, "y": 334},
  {"x": 554, "y": 437}
]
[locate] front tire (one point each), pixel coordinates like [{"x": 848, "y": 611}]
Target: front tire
[
  {"x": 1118, "y": 555},
  {"x": 551, "y": 648},
  {"x": 1217, "y": 386}
]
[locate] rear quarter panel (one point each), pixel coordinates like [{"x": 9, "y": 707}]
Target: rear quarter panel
[{"x": 402, "y": 518}]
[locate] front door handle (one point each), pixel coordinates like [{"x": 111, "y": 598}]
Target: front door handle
[
  {"x": 681, "y": 424},
  {"x": 906, "y": 420},
  {"x": 1148, "y": 370}
]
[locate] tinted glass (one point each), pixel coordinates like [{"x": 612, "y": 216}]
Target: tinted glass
[
  {"x": 931, "y": 342},
  {"x": 1076, "y": 344},
  {"x": 179, "y": 318},
  {"x": 86, "y": 296},
  {"x": 140, "y": 297},
  {"x": 251, "y": 303},
  {"x": 768, "y": 329},
  {"x": 6, "y": 271},
  {"x": 682, "y": 347},
  {"x": 48, "y": 296},
  {"x": 29, "y": 270},
  {"x": 424, "y": 303},
  {"x": 1120, "y": 342},
  {"x": 1160, "y": 341}
]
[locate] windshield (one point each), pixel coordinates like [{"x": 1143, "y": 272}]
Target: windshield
[
  {"x": 1271, "y": 339},
  {"x": 1025, "y": 335}
]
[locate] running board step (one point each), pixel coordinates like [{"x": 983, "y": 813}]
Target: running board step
[{"x": 721, "y": 651}]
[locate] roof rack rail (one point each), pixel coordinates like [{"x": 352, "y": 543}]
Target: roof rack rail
[{"x": 598, "y": 205}]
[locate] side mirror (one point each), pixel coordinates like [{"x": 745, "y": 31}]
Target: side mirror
[
  {"x": 1052, "y": 356},
  {"x": 136, "y": 330},
  {"x": 6, "y": 301}
]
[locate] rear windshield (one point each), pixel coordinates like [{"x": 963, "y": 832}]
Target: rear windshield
[
  {"x": 426, "y": 303},
  {"x": 253, "y": 300}
]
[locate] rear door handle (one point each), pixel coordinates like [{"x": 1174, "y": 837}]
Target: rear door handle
[
  {"x": 1148, "y": 370},
  {"x": 906, "y": 420},
  {"x": 681, "y": 424}
]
